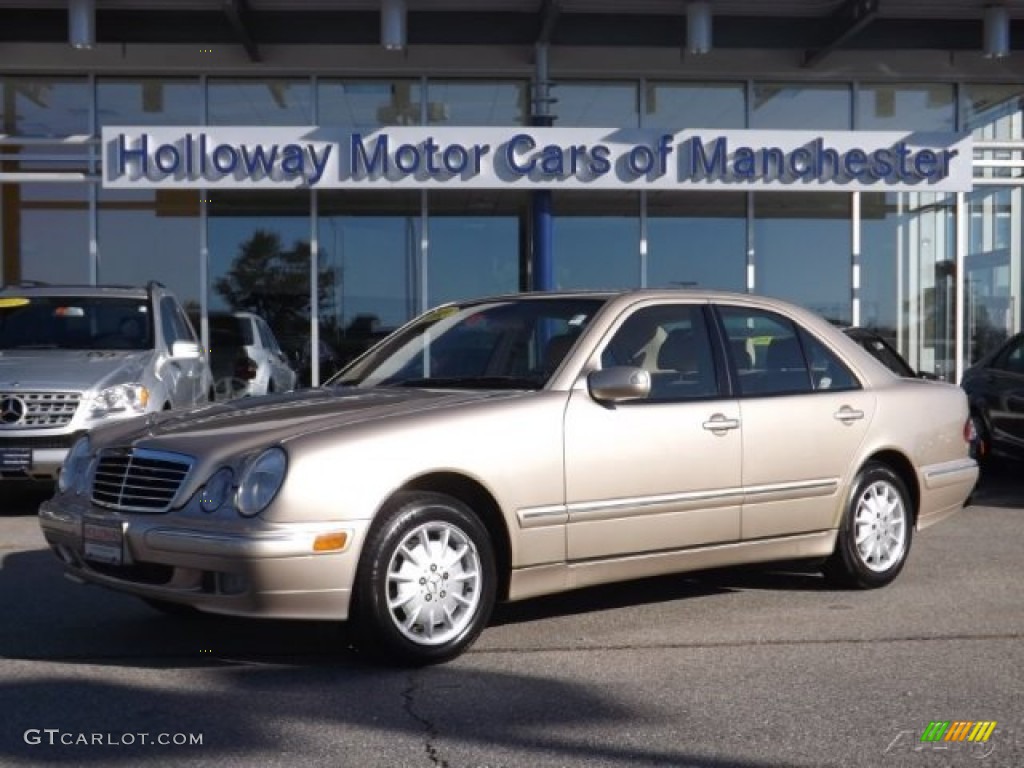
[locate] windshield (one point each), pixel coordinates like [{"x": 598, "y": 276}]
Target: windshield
[
  {"x": 75, "y": 322},
  {"x": 502, "y": 344}
]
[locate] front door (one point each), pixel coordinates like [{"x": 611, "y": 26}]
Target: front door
[{"x": 662, "y": 473}]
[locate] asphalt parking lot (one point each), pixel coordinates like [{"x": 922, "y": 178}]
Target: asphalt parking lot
[{"x": 751, "y": 668}]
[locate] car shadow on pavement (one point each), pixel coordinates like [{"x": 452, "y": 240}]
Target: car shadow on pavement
[
  {"x": 23, "y": 498},
  {"x": 348, "y": 716},
  {"x": 1001, "y": 485},
  {"x": 661, "y": 589},
  {"x": 63, "y": 621}
]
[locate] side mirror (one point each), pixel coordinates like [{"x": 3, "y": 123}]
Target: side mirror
[
  {"x": 619, "y": 384},
  {"x": 927, "y": 375},
  {"x": 185, "y": 350}
]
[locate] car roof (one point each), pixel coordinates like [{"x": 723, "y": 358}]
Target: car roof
[
  {"x": 84, "y": 291},
  {"x": 653, "y": 293}
]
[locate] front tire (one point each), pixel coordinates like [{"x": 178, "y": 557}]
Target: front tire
[
  {"x": 875, "y": 533},
  {"x": 427, "y": 580}
]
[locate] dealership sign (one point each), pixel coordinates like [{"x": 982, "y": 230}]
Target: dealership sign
[{"x": 428, "y": 157}]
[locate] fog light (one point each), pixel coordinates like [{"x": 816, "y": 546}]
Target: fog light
[
  {"x": 216, "y": 490},
  {"x": 231, "y": 583}
]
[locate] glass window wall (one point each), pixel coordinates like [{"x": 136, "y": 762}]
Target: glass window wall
[
  {"x": 45, "y": 106},
  {"x": 810, "y": 107},
  {"x": 992, "y": 112},
  {"x": 697, "y": 239},
  {"x": 596, "y": 240},
  {"x": 678, "y": 106},
  {"x": 600, "y": 105},
  {"x": 802, "y": 246},
  {"x": 368, "y": 104},
  {"x": 460, "y": 102},
  {"x": 148, "y": 101},
  {"x": 474, "y": 244},
  {"x": 906, "y": 107},
  {"x": 270, "y": 101},
  {"x": 908, "y": 276},
  {"x": 259, "y": 246},
  {"x": 45, "y": 232},
  {"x": 369, "y": 255},
  {"x": 162, "y": 223}
]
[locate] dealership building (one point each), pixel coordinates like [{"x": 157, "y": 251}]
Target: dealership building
[{"x": 342, "y": 165}]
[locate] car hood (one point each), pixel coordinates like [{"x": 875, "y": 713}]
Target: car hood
[
  {"x": 68, "y": 369},
  {"x": 229, "y": 429}
]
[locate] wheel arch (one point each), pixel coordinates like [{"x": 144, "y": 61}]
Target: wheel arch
[
  {"x": 483, "y": 505},
  {"x": 904, "y": 469}
]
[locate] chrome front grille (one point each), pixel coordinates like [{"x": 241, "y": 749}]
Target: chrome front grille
[
  {"x": 138, "y": 480},
  {"x": 37, "y": 410}
]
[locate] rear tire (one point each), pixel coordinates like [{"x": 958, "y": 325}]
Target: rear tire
[
  {"x": 427, "y": 581},
  {"x": 875, "y": 533}
]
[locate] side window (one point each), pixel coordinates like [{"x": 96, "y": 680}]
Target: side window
[
  {"x": 1012, "y": 360},
  {"x": 185, "y": 331},
  {"x": 173, "y": 322},
  {"x": 168, "y": 323},
  {"x": 767, "y": 352},
  {"x": 827, "y": 371},
  {"x": 269, "y": 342},
  {"x": 671, "y": 342}
]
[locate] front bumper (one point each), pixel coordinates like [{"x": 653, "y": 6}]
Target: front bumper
[
  {"x": 34, "y": 457},
  {"x": 270, "y": 571}
]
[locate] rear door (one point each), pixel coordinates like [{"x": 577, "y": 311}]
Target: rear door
[
  {"x": 804, "y": 416},
  {"x": 1004, "y": 395}
]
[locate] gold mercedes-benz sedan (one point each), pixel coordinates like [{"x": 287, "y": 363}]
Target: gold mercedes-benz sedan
[{"x": 515, "y": 446}]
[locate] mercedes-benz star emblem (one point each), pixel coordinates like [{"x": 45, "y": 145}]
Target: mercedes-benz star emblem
[{"x": 12, "y": 410}]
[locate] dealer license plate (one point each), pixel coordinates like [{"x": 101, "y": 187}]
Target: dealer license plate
[
  {"x": 103, "y": 541},
  {"x": 15, "y": 458}
]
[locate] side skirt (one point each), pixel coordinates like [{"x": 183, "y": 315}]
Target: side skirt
[{"x": 561, "y": 577}]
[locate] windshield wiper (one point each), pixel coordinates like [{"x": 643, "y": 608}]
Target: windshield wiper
[{"x": 471, "y": 382}]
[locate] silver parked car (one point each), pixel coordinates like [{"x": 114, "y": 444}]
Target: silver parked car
[
  {"x": 516, "y": 446},
  {"x": 246, "y": 358},
  {"x": 75, "y": 357}
]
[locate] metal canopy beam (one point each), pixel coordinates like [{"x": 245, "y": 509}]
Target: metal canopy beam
[
  {"x": 845, "y": 22},
  {"x": 238, "y": 15}
]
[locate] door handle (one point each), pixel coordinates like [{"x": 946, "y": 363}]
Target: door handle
[
  {"x": 718, "y": 423},
  {"x": 846, "y": 414}
]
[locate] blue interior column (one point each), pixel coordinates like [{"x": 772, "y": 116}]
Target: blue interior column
[{"x": 542, "y": 268}]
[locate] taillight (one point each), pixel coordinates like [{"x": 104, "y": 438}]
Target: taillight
[
  {"x": 973, "y": 435},
  {"x": 970, "y": 430},
  {"x": 245, "y": 368}
]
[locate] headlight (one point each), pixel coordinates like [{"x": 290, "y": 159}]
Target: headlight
[
  {"x": 216, "y": 490},
  {"x": 74, "y": 466},
  {"x": 261, "y": 481},
  {"x": 123, "y": 398}
]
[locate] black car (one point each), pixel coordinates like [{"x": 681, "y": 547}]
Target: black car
[
  {"x": 995, "y": 392},
  {"x": 885, "y": 352}
]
